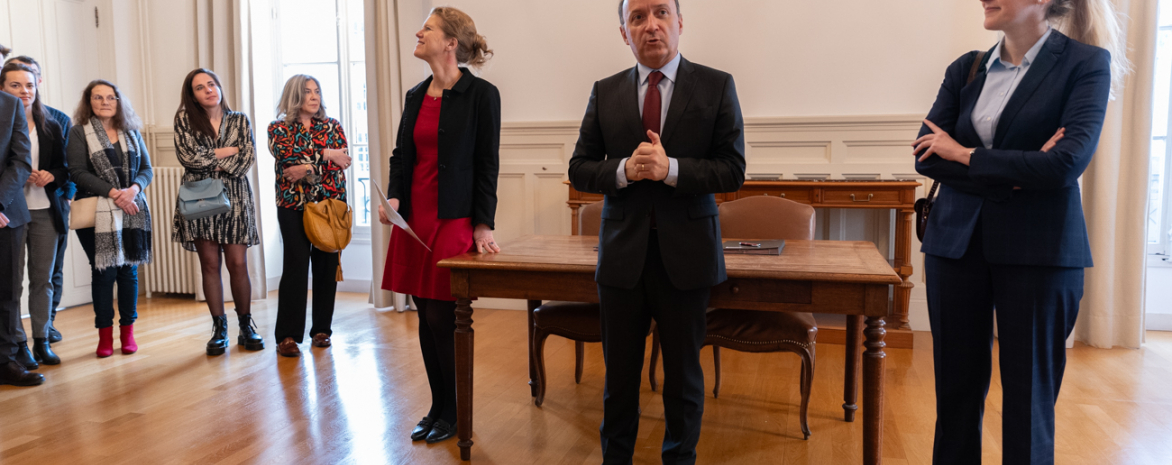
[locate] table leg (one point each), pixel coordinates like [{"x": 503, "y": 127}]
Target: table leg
[
  {"x": 850, "y": 389},
  {"x": 903, "y": 259},
  {"x": 873, "y": 391},
  {"x": 464, "y": 349},
  {"x": 533, "y": 304}
]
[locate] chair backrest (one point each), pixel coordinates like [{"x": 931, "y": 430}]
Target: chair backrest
[
  {"x": 590, "y": 219},
  {"x": 765, "y": 217}
]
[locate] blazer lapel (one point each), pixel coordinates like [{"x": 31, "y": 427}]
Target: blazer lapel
[
  {"x": 969, "y": 95},
  {"x": 1041, "y": 66},
  {"x": 680, "y": 96},
  {"x": 630, "y": 116}
]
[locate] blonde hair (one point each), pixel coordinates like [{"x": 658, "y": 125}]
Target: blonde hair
[
  {"x": 1094, "y": 22},
  {"x": 471, "y": 49},
  {"x": 289, "y": 107}
]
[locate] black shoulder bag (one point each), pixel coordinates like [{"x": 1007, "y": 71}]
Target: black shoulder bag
[{"x": 924, "y": 205}]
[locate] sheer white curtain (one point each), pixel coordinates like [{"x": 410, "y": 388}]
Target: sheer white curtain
[{"x": 1115, "y": 196}]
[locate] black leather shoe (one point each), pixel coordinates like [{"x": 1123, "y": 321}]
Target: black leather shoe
[
  {"x": 43, "y": 353},
  {"x": 15, "y": 374},
  {"x": 25, "y": 358},
  {"x": 441, "y": 431},
  {"x": 219, "y": 341},
  {"x": 54, "y": 335},
  {"x": 422, "y": 429},
  {"x": 248, "y": 336}
]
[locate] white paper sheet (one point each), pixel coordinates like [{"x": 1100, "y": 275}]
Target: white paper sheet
[{"x": 394, "y": 216}]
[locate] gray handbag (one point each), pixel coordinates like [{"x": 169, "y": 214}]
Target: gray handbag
[{"x": 203, "y": 198}]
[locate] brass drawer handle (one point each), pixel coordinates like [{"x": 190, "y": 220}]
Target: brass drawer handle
[
  {"x": 869, "y": 197},
  {"x": 782, "y": 194}
]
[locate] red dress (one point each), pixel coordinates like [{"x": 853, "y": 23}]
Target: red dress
[{"x": 410, "y": 268}]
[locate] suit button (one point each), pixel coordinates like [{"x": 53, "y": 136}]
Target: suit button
[
  {"x": 443, "y": 167},
  {"x": 441, "y": 131}
]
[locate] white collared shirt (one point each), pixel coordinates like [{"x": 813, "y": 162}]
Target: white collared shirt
[
  {"x": 667, "y": 86},
  {"x": 35, "y": 197},
  {"x": 1001, "y": 80}
]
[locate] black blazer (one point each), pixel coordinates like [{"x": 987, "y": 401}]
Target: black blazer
[
  {"x": 15, "y": 160},
  {"x": 469, "y": 150},
  {"x": 704, "y": 131},
  {"x": 69, "y": 189},
  {"x": 51, "y": 158},
  {"x": 1042, "y": 224}
]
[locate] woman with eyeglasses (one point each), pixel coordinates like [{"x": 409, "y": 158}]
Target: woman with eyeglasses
[
  {"x": 311, "y": 154},
  {"x": 108, "y": 160},
  {"x": 45, "y": 209}
]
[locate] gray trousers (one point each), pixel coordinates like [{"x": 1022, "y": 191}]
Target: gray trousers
[{"x": 40, "y": 250}]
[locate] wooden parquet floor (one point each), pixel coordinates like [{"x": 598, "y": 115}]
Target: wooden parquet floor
[{"x": 356, "y": 402}]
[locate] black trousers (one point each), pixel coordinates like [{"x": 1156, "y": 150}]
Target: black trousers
[
  {"x": 11, "y": 241},
  {"x": 626, "y": 318},
  {"x": 1036, "y": 309},
  {"x": 291, "y": 297},
  {"x": 58, "y": 274},
  {"x": 437, "y": 326}
]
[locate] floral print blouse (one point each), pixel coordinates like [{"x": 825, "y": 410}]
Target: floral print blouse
[{"x": 293, "y": 144}]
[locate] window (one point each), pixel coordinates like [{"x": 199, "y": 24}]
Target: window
[
  {"x": 1160, "y": 189},
  {"x": 334, "y": 52}
]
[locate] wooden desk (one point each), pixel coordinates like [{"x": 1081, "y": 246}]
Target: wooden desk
[
  {"x": 883, "y": 195},
  {"x": 841, "y": 277}
]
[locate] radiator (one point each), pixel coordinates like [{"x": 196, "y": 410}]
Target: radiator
[{"x": 172, "y": 270}]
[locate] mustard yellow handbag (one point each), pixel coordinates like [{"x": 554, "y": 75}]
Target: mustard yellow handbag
[{"x": 327, "y": 225}]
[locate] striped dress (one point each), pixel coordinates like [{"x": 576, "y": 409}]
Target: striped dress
[{"x": 196, "y": 153}]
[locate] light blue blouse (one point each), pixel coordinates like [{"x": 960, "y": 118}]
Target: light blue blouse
[{"x": 1001, "y": 80}]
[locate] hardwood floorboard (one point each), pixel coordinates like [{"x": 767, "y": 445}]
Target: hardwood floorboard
[{"x": 356, "y": 401}]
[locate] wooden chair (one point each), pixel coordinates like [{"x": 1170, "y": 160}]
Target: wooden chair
[
  {"x": 768, "y": 218},
  {"x": 578, "y": 321}
]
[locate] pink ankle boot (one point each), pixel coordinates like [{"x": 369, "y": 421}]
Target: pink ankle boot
[
  {"x": 126, "y": 333},
  {"x": 105, "y": 342}
]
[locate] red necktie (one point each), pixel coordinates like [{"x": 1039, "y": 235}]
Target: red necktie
[{"x": 652, "y": 107}]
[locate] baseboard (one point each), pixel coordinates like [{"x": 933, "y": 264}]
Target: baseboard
[
  {"x": 361, "y": 286},
  {"x": 1158, "y": 322}
]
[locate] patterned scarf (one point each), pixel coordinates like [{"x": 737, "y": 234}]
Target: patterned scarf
[{"x": 119, "y": 238}]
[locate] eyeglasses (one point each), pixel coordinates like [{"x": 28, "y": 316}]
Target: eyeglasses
[{"x": 100, "y": 99}]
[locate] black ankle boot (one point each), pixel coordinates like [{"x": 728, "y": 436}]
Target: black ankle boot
[
  {"x": 219, "y": 342},
  {"x": 54, "y": 335},
  {"x": 42, "y": 353},
  {"x": 24, "y": 357},
  {"x": 248, "y": 336}
]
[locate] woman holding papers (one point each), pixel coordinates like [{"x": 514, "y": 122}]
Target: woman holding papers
[
  {"x": 443, "y": 181},
  {"x": 1010, "y": 133},
  {"x": 310, "y": 149}
]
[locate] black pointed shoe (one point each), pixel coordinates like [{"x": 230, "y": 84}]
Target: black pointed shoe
[
  {"x": 54, "y": 335},
  {"x": 42, "y": 353},
  {"x": 441, "y": 431},
  {"x": 25, "y": 358},
  {"x": 219, "y": 341},
  {"x": 15, "y": 374},
  {"x": 422, "y": 429},
  {"x": 248, "y": 336}
]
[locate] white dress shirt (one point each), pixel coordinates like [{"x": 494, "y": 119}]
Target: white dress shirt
[
  {"x": 35, "y": 196},
  {"x": 1001, "y": 80},
  {"x": 666, "y": 86}
]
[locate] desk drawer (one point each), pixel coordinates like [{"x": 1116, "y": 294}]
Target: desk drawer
[
  {"x": 797, "y": 195},
  {"x": 764, "y": 291},
  {"x": 860, "y": 197}
]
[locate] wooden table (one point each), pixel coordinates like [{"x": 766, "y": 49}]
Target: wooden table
[
  {"x": 899, "y": 196},
  {"x": 849, "y": 278}
]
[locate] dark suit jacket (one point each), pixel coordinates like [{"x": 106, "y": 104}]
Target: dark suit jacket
[
  {"x": 1042, "y": 224},
  {"x": 15, "y": 160},
  {"x": 469, "y": 150},
  {"x": 69, "y": 189},
  {"x": 704, "y": 131},
  {"x": 51, "y": 158}
]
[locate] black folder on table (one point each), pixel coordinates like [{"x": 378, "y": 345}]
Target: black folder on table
[{"x": 754, "y": 247}]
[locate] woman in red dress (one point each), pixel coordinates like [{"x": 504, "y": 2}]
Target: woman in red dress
[{"x": 443, "y": 181}]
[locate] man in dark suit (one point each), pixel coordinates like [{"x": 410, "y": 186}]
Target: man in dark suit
[
  {"x": 65, "y": 192},
  {"x": 658, "y": 140},
  {"x": 15, "y": 166}
]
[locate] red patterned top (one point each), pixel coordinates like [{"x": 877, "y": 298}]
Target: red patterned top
[{"x": 293, "y": 144}]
